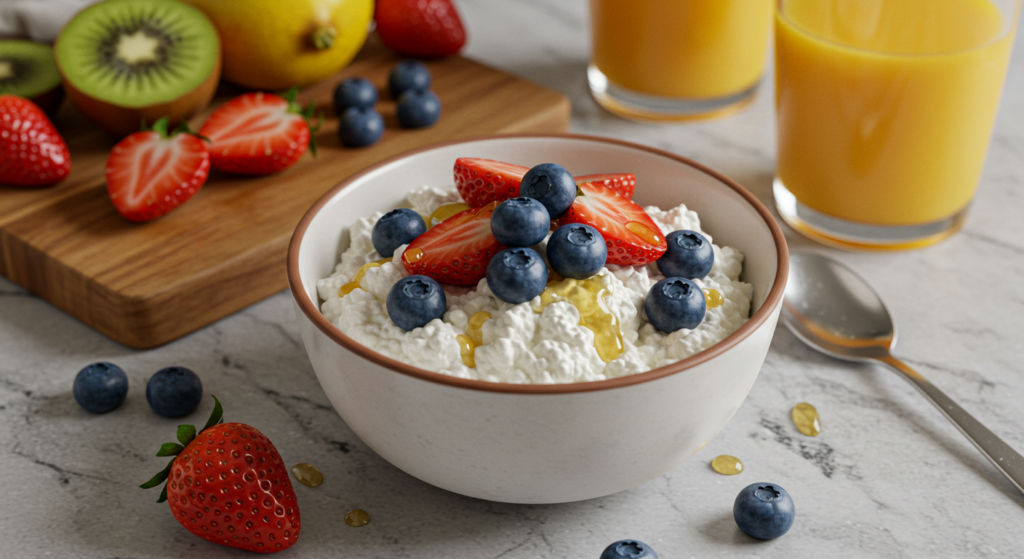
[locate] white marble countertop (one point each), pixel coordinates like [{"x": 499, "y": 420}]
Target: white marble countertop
[{"x": 888, "y": 476}]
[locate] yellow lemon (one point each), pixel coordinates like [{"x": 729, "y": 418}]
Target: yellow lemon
[{"x": 277, "y": 44}]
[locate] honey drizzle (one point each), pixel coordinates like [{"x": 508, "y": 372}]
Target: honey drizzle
[
  {"x": 412, "y": 255},
  {"x": 713, "y": 298},
  {"x": 476, "y": 322},
  {"x": 307, "y": 475},
  {"x": 350, "y": 286},
  {"x": 805, "y": 416},
  {"x": 467, "y": 349},
  {"x": 357, "y": 517},
  {"x": 645, "y": 232},
  {"x": 587, "y": 296},
  {"x": 444, "y": 212},
  {"x": 727, "y": 465}
]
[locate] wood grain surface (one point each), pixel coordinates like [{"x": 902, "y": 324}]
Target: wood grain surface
[{"x": 146, "y": 284}]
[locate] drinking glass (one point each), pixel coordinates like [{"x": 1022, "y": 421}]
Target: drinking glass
[
  {"x": 678, "y": 59},
  {"x": 884, "y": 113}
]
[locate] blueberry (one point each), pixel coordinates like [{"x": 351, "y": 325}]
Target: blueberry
[
  {"x": 174, "y": 392},
  {"x": 516, "y": 275},
  {"x": 414, "y": 301},
  {"x": 396, "y": 228},
  {"x": 675, "y": 303},
  {"x": 354, "y": 92},
  {"x": 406, "y": 75},
  {"x": 764, "y": 511},
  {"x": 418, "y": 109},
  {"x": 689, "y": 255},
  {"x": 360, "y": 127},
  {"x": 520, "y": 222},
  {"x": 577, "y": 250},
  {"x": 100, "y": 387},
  {"x": 552, "y": 185},
  {"x": 629, "y": 549}
]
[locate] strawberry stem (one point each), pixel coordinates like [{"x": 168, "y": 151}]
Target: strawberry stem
[
  {"x": 186, "y": 433},
  {"x": 307, "y": 114}
]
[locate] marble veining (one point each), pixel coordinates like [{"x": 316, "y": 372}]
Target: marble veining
[{"x": 888, "y": 476}]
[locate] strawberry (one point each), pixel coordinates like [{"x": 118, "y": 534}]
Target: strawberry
[
  {"x": 631, "y": 235},
  {"x": 623, "y": 183},
  {"x": 32, "y": 152},
  {"x": 151, "y": 172},
  {"x": 421, "y": 28},
  {"x": 259, "y": 133},
  {"x": 227, "y": 484},
  {"x": 457, "y": 250},
  {"x": 482, "y": 181}
]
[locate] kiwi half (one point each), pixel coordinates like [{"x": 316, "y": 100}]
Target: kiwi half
[
  {"x": 28, "y": 70},
  {"x": 125, "y": 61}
]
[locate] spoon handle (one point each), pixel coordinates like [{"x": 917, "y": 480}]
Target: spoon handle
[{"x": 1001, "y": 454}]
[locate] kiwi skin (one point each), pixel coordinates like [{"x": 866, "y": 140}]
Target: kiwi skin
[{"x": 121, "y": 121}]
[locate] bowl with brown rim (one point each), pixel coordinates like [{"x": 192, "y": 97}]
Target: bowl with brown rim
[{"x": 532, "y": 443}]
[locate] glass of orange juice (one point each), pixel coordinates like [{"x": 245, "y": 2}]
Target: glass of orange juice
[
  {"x": 885, "y": 109},
  {"x": 678, "y": 59}
]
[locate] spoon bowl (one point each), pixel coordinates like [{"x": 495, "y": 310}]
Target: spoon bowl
[{"x": 833, "y": 310}]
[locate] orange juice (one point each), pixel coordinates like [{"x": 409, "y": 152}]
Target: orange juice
[
  {"x": 885, "y": 107},
  {"x": 681, "y": 48}
]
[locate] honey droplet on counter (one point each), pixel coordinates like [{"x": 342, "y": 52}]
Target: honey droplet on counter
[
  {"x": 476, "y": 322},
  {"x": 412, "y": 255},
  {"x": 307, "y": 475},
  {"x": 713, "y": 298},
  {"x": 645, "y": 232},
  {"x": 467, "y": 349},
  {"x": 588, "y": 298},
  {"x": 350, "y": 286},
  {"x": 727, "y": 465},
  {"x": 357, "y": 517},
  {"x": 806, "y": 419},
  {"x": 444, "y": 212}
]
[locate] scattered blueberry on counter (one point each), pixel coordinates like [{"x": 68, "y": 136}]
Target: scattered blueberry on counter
[
  {"x": 550, "y": 184},
  {"x": 354, "y": 92},
  {"x": 174, "y": 392},
  {"x": 577, "y": 250},
  {"x": 764, "y": 511},
  {"x": 629, "y": 549},
  {"x": 689, "y": 255},
  {"x": 100, "y": 387},
  {"x": 414, "y": 301},
  {"x": 675, "y": 303},
  {"x": 396, "y": 228},
  {"x": 360, "y": 126},
  {"x": 408, "y": 75},
  {"x": 516, "y": 275},
  {"x": 520, "y": 222},
  {"x": 418, "y": 109}
]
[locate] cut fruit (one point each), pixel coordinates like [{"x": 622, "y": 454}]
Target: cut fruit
[
  {"x": 125, "y": 61},
  {"x": 28, "y": 70}
]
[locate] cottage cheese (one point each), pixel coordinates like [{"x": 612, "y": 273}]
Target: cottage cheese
[{"x": 521, "y": 345}]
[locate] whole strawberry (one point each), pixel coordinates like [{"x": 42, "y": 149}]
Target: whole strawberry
[
  {"x": 151, "y": 172},
  {"x": 229, "y": 485},
  {"x": 32, "y": 152},
  {"x": 422, "y": 28},
  {"x": 259, "y": 133}
]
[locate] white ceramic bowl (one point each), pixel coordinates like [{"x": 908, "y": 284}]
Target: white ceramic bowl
[{"x": 539, "y": 443}]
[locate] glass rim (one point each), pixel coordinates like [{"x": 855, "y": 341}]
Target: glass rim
[{"x": 1009, "y": 26}]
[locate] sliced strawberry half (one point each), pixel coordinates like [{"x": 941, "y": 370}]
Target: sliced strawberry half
[
  {"x": 631, "y": 235},
  {"x": 259, "y": 133},
  {"x": 482, "y": 181},
  {"x": 623, "y": 183},
  {"x": 150, "y": 173},
  {"x": 457, "y": 250}
]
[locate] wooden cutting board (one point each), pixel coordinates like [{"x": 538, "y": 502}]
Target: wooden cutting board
[{"x": 146, "y": 284}]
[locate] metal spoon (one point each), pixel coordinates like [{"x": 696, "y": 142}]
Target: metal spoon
[{"x": 836, "y": 312}]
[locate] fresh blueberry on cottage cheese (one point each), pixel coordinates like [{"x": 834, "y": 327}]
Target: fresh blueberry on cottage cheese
[{"x": 575, "y": 330}]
